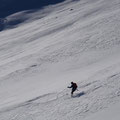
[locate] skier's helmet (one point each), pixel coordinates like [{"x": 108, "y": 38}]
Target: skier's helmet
[{"x": 71, "y": 82}]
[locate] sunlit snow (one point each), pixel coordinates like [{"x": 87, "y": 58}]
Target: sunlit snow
[{"x": 76, "y": 40}]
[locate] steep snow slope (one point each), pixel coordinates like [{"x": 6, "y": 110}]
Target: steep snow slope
[
  {"x": 108, "y": 114},
  {"x": 14, "y": 13},
  {"x": 78, "y": 41}
]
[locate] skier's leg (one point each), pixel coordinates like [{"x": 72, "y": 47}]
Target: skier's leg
[{"x": 73, "y": 90}]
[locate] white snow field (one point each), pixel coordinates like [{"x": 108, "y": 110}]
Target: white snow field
[{"x": 77, "y": 40}]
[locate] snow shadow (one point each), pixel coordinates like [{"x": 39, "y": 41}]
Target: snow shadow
[
  {"x": 13, "y": 6},
  {"x": 79, "y": 94},
  {"x": 22, "y": 7}
]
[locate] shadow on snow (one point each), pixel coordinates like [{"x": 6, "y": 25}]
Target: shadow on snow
[
  {"x": 13, "y": 6},
  {"x": 79, "y": 94}
]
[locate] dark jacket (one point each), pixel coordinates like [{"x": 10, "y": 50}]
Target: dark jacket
[{"x": 73, "y": 85}]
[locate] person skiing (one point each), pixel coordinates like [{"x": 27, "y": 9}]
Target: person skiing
[{"x": 74, "y": 87}]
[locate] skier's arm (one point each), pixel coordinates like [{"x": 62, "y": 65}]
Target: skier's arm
[{"x": 70, "y": 86}]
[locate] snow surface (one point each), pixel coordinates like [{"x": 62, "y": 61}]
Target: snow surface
[
  {"x": 76, "y": 41},
  {"x": 109, "y": 114}
]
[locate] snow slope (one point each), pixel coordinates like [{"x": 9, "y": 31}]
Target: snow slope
[
  {"x": 108, "y": 114},
  {"x": 77, "y": 41}
]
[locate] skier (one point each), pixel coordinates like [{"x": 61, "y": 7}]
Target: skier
[{"x": 74, "y": 87}]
